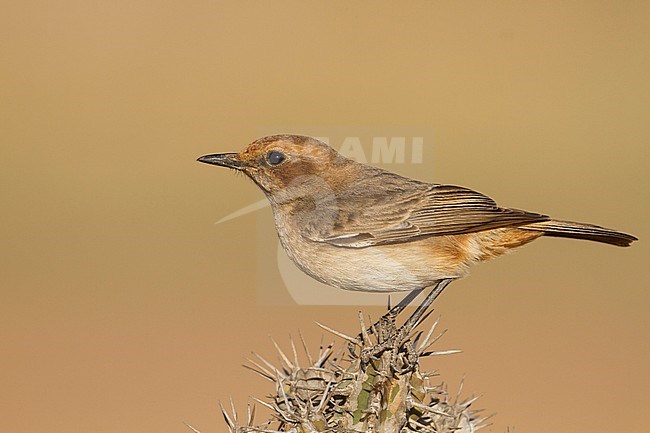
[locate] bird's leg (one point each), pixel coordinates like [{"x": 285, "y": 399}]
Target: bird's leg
[
  {"x": 414, "y": 320},
  {"x": 392, "y": 338},
  {"x": 402, "y": 335},
  {"x": 387, "y": 321},
  {"x": 403, "y": 303},
  {"x": 392, "y": 313}
]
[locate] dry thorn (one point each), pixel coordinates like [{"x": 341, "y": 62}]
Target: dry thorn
[
  {"x": 323, "y": 399},
  {"x": 259, "y": 370},
  {"x": 284, "y": 394},
  {"x": 425, "y": 342},
  {"x": 441, "y": 352},
  {"x": 264, "y": 430},
  {"x": 265, "y": 404},
  {"x": 267, "y": 363},
  {"x": 234, "y": 411},
  {"x": 338, "y": 356},
  {"x": 435, "y": 339},
  {"x": 229, "y": 422},
  {"x": 304, "y": 345},
  {"x": 429, "y": 409},
  {"x": 421, "y": 426},
  {"x": 364, "y": 331},
  {"x": 466, "y": 403},
  {"x": 320, "y": 346},
  {"x": 283, "y": 356},
  {"x": 324, "y": 355},
  {"x": 191, "y": 428},
  {"x": 340, "y": 334},
  {"x": 295, "y": 352},
  {"x": 250, "y": 414}
]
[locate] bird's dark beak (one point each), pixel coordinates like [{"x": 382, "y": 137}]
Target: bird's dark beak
[{"x": 229, "y": 160}]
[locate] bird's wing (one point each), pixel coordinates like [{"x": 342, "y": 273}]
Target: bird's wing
[{"x": 401, "y": 215}]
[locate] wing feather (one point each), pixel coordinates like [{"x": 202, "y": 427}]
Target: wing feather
[{"x": 402, "y": 213}]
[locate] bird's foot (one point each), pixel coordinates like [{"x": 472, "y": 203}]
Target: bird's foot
[
  {"x": 384, "y": 329},
  {"x": 390, "y": 338},
  {"x": 385, "y": 326}
]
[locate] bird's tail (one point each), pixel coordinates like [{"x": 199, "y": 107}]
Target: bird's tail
[{"x": 570, "y": 229}]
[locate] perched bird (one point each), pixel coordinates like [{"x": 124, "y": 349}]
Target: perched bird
[{"x": 358, "y": 227}]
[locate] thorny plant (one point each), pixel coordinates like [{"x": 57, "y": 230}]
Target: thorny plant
[{"x": 376, "y": 385}]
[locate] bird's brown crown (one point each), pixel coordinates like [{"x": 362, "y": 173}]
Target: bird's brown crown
[{"x": 280, "y": 161}]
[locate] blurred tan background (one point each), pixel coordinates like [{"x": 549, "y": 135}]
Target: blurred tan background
[{"x": 124, "y": 308}]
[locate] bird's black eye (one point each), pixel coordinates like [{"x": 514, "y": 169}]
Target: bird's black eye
[{"x": 275, "y": 157}]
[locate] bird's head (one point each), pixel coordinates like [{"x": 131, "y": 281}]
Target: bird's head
[{"x": 285, "y": 166}]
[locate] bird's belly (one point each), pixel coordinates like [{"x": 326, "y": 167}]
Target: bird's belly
[{"x": 386, "y": 268}]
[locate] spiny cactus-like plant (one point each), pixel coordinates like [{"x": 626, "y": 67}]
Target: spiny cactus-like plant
[{"x": 372, "y": 383}]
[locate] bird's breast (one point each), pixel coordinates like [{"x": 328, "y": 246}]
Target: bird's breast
[{"x": 386, "y": 268}]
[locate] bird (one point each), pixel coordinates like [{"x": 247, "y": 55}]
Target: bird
[{"x": 358, "y": 227}]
